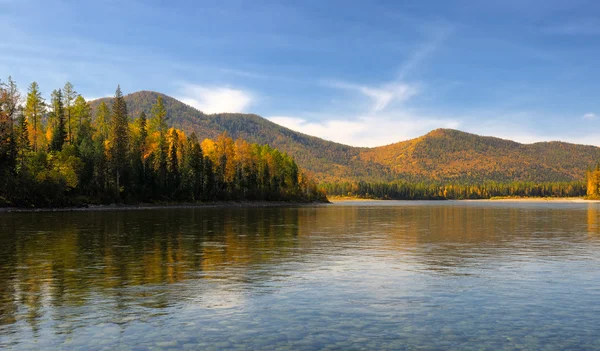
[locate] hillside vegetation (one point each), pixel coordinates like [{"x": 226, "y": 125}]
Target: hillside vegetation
[
  {"x": 326, "y": 159},
  {"x": 59, "y": 156},
  {"x": 442, "y": 155}
]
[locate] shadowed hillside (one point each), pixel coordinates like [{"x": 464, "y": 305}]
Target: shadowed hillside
[{"x": 442, "y": 155}]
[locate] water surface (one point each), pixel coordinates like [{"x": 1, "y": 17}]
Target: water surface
[{"x": 369, "y": 275}]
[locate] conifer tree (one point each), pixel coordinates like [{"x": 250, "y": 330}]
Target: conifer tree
[
  {"x": 81, "y": 114},
  {"x": 140, "y": 155},
  {"x": 195, "y": 168},
  {"x": 142, "y": 124},
  {"x": 69, "y": 96},
  {"x": 35, "y": 107},
  {"x": 22, "y": 139},
  {"x": 102, "y": 119},
  {"x": 158, "y": 124},
  {"x": 119, "y": 139},
  {"x": 59, "y": 132},
  {"x": 173, "y": 162}
]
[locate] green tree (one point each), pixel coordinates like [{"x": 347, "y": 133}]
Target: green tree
[
  {"x": 81, "y": 115},
  {"x": 102, "y": 119},
  {"x": 173, "y": 163},
  {"x": 140, "y": 156},
  {"x": 158, "y": 124},
  {"x": 119, "y": 140},
  {"x": 35, "y": 107},
  {"x": 192, "y": 173},
  {"x": 69, "y": 96},
  {"x": 100, "y": 154},
  {"x": 59, "y": 132},
  {"x": 22, "y": 139}
]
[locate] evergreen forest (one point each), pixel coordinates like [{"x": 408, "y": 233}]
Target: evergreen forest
[{"x": 63, "y": 153}]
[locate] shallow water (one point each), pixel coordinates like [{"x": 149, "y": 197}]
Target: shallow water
[{"x": 367, "y": 275}]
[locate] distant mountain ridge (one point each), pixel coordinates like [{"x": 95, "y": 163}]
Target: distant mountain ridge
[{"x": 443, "y": 155}]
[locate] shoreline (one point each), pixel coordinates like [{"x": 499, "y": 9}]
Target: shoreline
[
  {"x": 141, "y": 207},
  {"x": 508, "y": 199}
]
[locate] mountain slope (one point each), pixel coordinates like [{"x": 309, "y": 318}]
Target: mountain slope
[
  {"x": 441, "y": 155},
  {"x": 451, "y": 155},
  {"x": 328, "y": 160}
]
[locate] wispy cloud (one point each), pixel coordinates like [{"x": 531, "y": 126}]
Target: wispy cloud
[
  {"x": 215, "y": 99},
  {"x": 381, "y": 96},
  {"x": 386, "y": 119},
  {"x": 367, "y": 130},
  {"x": 590, "y": 116},
  {"x": 423, "y": 52}
]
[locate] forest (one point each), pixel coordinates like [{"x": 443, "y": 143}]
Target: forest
[
  {"x": 62, "y": 154},
  {"x": 432, "y": 191},
  {"x": 443, "y": 156}
]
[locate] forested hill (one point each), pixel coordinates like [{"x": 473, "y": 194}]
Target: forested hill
[
  {"x": 442, "y": 155},
  {"x": 454, "y": 156},
  {"x": 328, "y": 160}
]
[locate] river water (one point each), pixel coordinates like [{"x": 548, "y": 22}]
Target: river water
[{"x": 355, "y": 275}]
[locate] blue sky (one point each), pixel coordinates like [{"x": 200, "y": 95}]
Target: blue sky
[{"x": 363, "y": 73}]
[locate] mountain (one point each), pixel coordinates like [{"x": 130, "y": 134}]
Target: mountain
[
  {"x": 328, "y": 160},
  {"x": 455, "y": 156},
  {"x": 443, "y": 155}
]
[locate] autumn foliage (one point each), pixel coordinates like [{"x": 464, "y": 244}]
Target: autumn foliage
[{"x": 64, "y": 154}]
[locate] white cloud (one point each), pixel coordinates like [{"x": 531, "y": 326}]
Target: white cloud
[
  {"x": 590, "y": 116},
  {"x": 215, "y": 99},
  {"x": 366, "y": 131},
  {"x": 88, "y": 99}
]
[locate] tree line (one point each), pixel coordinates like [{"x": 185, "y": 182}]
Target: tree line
[
  {"x": 431, "y": 191},
  {"x": 60, "y": 153}
]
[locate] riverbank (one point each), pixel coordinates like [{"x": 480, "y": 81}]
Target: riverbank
[
  {"x": 538, "y": 199},
  {"x": 138, "y": 207},
  {"x": 495, "y": 199}
]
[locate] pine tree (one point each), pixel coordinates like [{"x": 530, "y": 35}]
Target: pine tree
[
  {"x": 195, "y": 168},
  {"x": 119, "y": 139},
  {"x": 158, "y": 123},
  {"x": 139, "y": 156},
  {"x": 59, "y": 132},
  {"x": 81, "y": 116},
  {"x": 22, "y": 139},
  {"x": 69, "y": 95},
  {"x": 102, "y": 119},
  {"x": 35, "y": 108},
  {"x": 173, "y": 162},
  {"x": 142, "y": 124}
]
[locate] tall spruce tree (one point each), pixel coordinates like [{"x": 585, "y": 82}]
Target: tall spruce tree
[
  {"x": 158, "y": 123},
  {"x": 119, "y": 140},
  {"x": 22, "y": 139},
  {"x": 195, "y": 168},
  {"x": 81, "y": 117},
  {"x": 69, "y": 95},
  {"x": 173, "y": 162},
  {"x": 35, "y": 107},
  {"x": 59, "y": 131},
  {"x": 102, "y": 120},
  {"x": 139, "y": 156}
]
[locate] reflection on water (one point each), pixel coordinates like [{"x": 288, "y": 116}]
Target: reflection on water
[{"x": 393, "y": 275}]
